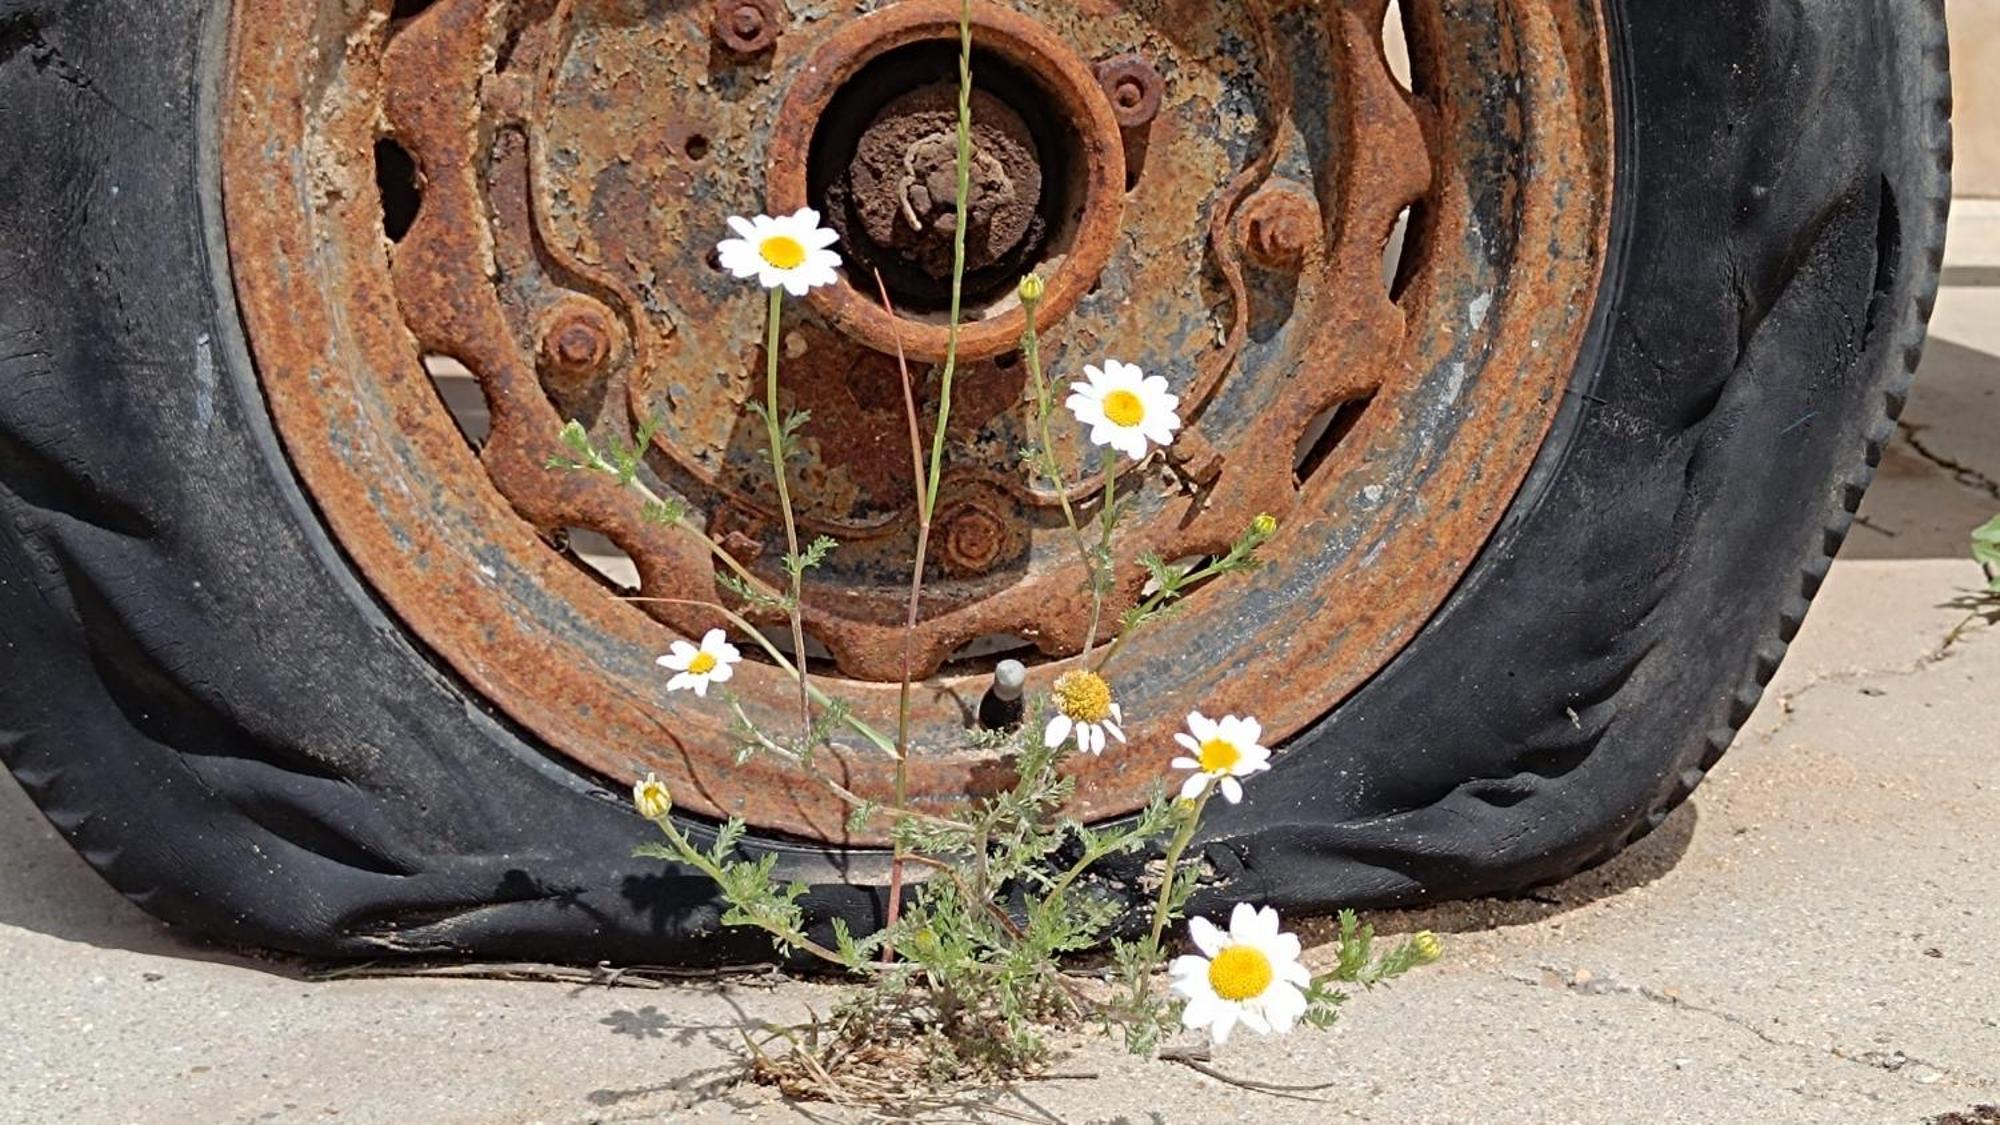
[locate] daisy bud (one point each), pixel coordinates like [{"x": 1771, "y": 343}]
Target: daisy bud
[
  {"x": 1428, "y": 947},
  {"x": 1264, "y": 526},
  {"x": 652, "y": 798},
  {"x": 1033, "y": 289}
]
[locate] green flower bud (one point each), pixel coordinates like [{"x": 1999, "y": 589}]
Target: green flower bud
[
  {"x": 1428, "y": 947},
  {"x": 1033, "y": 289}
]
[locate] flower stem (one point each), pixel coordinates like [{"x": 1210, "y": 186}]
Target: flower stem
[
  {"x": 1031, "y": 349},
  {"x": 932, "y": 483},
  {"x": 1173, "y": 862},
  {"x": 794, "y": 561},
  {"x": 1100, "y": 567},
  {"x": 958, "y": 257}
]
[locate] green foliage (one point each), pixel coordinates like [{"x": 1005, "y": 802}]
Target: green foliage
[
  {"x": 1986, "y": 552},
  {"x": 815, "y": 553},
  {"x": 788, "y": 427},
  {"x": 1359, "y": 963}
]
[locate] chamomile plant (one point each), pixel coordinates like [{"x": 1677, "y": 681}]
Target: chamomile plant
[{"x": 967, "y": 978}]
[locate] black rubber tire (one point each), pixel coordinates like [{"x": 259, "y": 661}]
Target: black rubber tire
[{"x": 209, "y": 704}]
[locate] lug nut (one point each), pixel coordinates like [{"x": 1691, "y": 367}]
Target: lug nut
[
  {"x": 974, "y": 539},
  {"x": 1280, "y": 225},
  {"x": 748, "y": 27},
  {"x": 577, "y": 340},
  {"x": 1135, "y": 89}
]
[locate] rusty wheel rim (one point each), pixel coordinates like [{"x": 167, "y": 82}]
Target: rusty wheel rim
[{"x": 575, "y": 160}]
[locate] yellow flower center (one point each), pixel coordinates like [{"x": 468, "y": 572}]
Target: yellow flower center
[
  {"x": 1240, "y": 972},
  {"x": 703, "y": 663},
  {"x": 783, "y": 251},
  {"x": 1219, "y": 756},
  {"x": 1123, "y": 408},
  {"x": 1083, "y": 696}
]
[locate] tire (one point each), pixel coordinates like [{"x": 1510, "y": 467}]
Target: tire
[{"x": 202, "y": 695}]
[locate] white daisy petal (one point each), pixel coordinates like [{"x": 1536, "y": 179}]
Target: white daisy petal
[
  {"x": 1189, "y": 744},
  {"x": 1241, "y": 921},
  {"x": 1184, "y": 764},
  {"x": 1206, "y": 936},
  {"x": 1283, "y": 947},
  {"x": 1201, "y": 726},
  {"x": 1232, "y": 790},
  {"x": 1267, "y": 924},
  {"x": 723, "y": 674},
  {"x": 1058, "y": 732},
  {"x": 1252, "y": 1016},
  {"x": 1201, "y": 1012},
  {"x": 1189, "y": 965},
  {"x": 1192, "y": 790},
  {"x": 1225, "y": 1022},
  {"x": 701, "y": 686},
  {"x": 743, "y": 227}
]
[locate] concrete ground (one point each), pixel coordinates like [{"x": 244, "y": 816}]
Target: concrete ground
[{"x": 1811, "y": 939}]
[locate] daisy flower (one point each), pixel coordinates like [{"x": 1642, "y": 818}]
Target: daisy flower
[
  {"x": 1250, "y": 975},
  {"x": 1125, "y": 409},
  {"x": 651, "y": 797},
  {"x": 792, "y": 251},
  {"x": 713, "y": 663},
  {"x": 1220, "y": 753},
  {"x": 1085, "y": 708}
]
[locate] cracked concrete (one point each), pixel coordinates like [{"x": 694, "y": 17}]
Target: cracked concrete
[{"x": 1810, "y": 939}]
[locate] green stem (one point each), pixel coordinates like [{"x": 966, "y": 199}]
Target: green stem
[
  {"x": 794, "y": 561},
  {"x": 1100, "y": 579},
  {"x": 958, "y": 257},
  {"x": 1173, "y": 861},
  {"x": 935, "y": 479},
  {"x": 1031, "y": 348},
  {"x": 1151, "y": 606}
]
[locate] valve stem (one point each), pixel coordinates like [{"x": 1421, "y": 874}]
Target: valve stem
[{"x": 1003, "y": 706}]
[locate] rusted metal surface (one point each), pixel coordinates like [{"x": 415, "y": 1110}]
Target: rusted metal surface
[
  {"x": 748, "y": 27},
  {"x": 1134, "y": 88},
  {"x": 577, "y": 159},
  {"x": 1281, "y": 224}
]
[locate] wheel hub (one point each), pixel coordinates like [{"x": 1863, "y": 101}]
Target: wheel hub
[{"x": 1210, "y": 200}]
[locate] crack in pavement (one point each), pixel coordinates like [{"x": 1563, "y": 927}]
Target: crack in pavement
[
  {"x": 1961, "y": 473},
  {"x": 1925, "y": 1072}
]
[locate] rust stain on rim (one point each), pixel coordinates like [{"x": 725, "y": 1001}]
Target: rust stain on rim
[{"x": 1389, "y": 429}]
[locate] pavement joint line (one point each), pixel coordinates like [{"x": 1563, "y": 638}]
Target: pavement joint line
[{"x": 1892, "y": 1062}]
